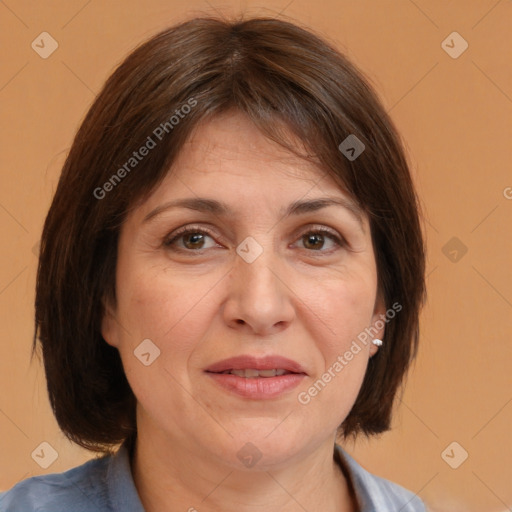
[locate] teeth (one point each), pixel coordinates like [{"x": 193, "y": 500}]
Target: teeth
[{"x": 251, "y": 373}]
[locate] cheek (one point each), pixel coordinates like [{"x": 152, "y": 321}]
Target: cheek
[
  {"x": 338, "y": 310},
  {"x": 171, "y": 309},
  {"x": 174, "y": 313}
]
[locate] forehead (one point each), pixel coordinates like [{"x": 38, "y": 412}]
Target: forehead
[{"x": 232, "y": 142}]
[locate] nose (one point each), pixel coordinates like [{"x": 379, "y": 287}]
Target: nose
[{"x": 259, "y": 297}]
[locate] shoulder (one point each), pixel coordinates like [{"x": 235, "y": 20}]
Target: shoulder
[
  {"x": 376, "y": 493},
  {"x": 80, "y": 489}
]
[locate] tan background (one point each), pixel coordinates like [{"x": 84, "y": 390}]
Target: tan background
[{"x": 455, "y": 115}]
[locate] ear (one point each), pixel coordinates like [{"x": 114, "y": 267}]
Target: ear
[
  {"x": 109, "y": 325},
  {"x": 378, "y": 321}
]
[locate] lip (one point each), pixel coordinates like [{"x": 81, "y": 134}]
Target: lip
[
  {"x": 244, "y": 362},
  {"x": 258, "y": 388}
]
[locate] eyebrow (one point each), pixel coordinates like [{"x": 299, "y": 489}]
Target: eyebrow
[{"x": 205, "y": 205}]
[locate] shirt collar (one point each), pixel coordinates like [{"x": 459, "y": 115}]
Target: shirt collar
[
  {"x": 357, "y": 479},
  {"x": 121, "y": 487}
]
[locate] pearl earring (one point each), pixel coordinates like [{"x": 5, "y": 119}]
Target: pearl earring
[{"x": 377, "y": 342}]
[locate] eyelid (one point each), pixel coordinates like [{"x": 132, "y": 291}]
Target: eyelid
[{"x": 318, "y": 227}]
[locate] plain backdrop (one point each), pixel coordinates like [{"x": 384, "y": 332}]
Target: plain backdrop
[{"x": 455, "y": 116}]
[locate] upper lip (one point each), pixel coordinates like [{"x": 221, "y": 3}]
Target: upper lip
[{"x": 245, "y": 362}]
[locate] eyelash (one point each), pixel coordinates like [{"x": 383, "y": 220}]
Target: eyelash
[{"x": 169, "y": 242}]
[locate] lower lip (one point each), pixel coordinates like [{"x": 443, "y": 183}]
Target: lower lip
[{"x": 258, "y": 388}]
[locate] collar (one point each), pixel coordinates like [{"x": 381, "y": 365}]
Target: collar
[
  {"x": 357, "y": 479},
  {"x": 121, "y": 487}
]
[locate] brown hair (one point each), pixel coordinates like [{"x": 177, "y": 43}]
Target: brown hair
[{"x": 280, "y": 75}]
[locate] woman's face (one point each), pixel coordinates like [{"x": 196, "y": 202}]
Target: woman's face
[{"x": 253, "y": 279}]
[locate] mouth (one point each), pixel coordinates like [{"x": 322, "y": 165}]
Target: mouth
[
  {"x": 257, "y": 378},
  {"x": 252, "y": 367}
]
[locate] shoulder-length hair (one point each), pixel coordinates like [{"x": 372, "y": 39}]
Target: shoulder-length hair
[{"x": 280, "y": 75}]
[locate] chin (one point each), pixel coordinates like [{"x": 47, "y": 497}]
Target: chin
[{"x": 262, "y": 446}]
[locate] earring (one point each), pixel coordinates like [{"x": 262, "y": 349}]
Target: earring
[{"x": 377, "y": 342}]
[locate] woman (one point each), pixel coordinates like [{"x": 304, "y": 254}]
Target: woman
[{"x": 230, "y": 279}]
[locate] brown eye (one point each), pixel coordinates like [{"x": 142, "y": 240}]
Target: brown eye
[
  {"x": 193, "y": 240},
  {"x": 190, "y": 240},
  {"x": 313, "y": 241},
  {"x": 318, "y": 239}
]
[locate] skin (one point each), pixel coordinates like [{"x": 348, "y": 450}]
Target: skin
[{"x": 199, "y": 302}]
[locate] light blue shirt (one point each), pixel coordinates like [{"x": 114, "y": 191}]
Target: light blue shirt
[{"x": 106, "y": 485}]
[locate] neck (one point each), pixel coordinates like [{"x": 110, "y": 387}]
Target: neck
[{"x": 168, "y": 476}]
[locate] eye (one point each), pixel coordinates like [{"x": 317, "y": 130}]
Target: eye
[
  {"x": 315, "y": 240},
  {"x": 191, "y": 238},
  {"x": 194, "y": 239}
]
